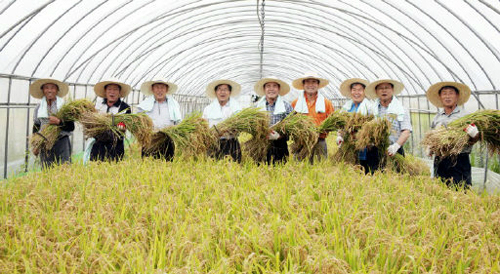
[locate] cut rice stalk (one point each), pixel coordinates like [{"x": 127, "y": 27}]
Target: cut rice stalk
[
  {"x": 452, "y": 139},
  {"x": 97, "y": 124},
  {"x": 302, "y": 132},
  {"x": 192, "y": 137},
  {"x": 47, "y": 136}
]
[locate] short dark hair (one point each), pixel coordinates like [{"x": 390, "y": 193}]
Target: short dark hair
[
  {"x": 41, "y": 87},
  {"x": 230, "y": 87},
  {"x": 357, "y": 83},
  {"x": 119, "y": 86},
  {"x": 392, "y": 86},
  {"x": 449, "y": 87},
  {"x": 160, "y": 84},
  {"x": 271, "y": 82},
  {"x": 303, "y": 81}
]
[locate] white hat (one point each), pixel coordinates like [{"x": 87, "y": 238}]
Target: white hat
[
  {"x": 433, "y": 93},
  {"x": 147, "y": 87},
  {"x": 99, "y": 88},
  {"x": 345, "y": 87},
  {"x": 36, "y": 87},
  {"x": 298, "y": 83},
  {"x": 235, "y": 87},
  {"x": 259, "y": 86},
  {"x": 370, "y": 89}
]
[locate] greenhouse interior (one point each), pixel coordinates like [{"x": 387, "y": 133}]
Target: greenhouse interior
[
  {"x": 200, "y": 215},
  {"x": 194, "y": 42}
]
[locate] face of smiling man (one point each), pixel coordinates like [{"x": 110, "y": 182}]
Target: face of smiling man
[
  {"x": 112, "y": 93},
  {"x": 357, "y": 93},
  {"x": 223, "y": 92},
  {"x": 159, "y": 91},
  {"x": 272, "y": 90},
  {"x": 50, "y": 91},
  {"x": 449, "y": 97},
  {"x": 311, "y": 86},
  {"x": 384, "y": 92}
]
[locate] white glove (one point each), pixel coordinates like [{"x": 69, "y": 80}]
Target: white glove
[
  {"x": 472, "y": 130},
  {"x": 393, "y": 149},
  {"x": 273, "y": 135},
  {"x": 340, "y": 140}
]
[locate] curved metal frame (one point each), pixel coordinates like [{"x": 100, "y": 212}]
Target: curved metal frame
[{"x": 342, "y": 27}]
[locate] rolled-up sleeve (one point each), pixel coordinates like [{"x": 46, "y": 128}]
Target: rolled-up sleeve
[{"x": 406, "y": 123}]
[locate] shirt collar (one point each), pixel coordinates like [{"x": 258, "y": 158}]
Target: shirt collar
[
  {"x": 455, "y": 110},
  {"x": 164, "y": 101}
]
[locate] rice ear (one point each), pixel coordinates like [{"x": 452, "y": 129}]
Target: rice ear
[
  {"x": 452, "y": 140},
  {"x": 72, "y": 111}
]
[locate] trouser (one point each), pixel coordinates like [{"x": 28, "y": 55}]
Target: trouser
[
  {"x": 277, "y": 152},
  {"x": 229, "y": 147},
  {"x": 107, "y": 151},
  {"x": 374, "y": 157},
  {"x": 166, "y": 151},
  {"x": 59, "y": 154},
  {"x": 455, "y": 172},
  {"x": 372, "y": 162},
  {"x": 319, "y": 151}
]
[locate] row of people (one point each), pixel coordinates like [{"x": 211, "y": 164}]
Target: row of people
[{"x": 164, "y": 111}]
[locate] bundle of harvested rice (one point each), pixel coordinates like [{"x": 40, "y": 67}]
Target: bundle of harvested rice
[
  {"x": 253, "y": 121},
  {"x": 452, "y": 139},
  {"x": 408, "y": 164},
  {"x": 348, "y": 123},
  {"x": 48, "y": 134},
  {"x": 347, "y": 151},
  {"x": 335, "y": 121},
  {"x": 96, "y": 124},
  {"x": 374, "y": 133},
  {"x": 302, "y": 132},
  {"x": 192, "y": 137}
]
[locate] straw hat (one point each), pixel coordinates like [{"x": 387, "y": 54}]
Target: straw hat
[
  {"x": 259, "y": 86},
  {"x": 99, "y": 88},
  {"x": 147, "y": 87},
  {"x": 36, "y": 87},
  {"x": 345, "y": 87},
  {"x": 236, "y": 88},
  {"x": 433, "y": 93},
  {"x": 370, "y": 89},
  {"x": 297, "y": 83}
]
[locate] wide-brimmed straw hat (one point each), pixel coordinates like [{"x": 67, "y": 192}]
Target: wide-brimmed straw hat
[
  {"x": 36, "y": 87},
  {"x": 99, "y": 88},
  {"x": 370, "y": 89},
  {"x": 297, "y": 83},
  {"x": 259, "y": 86},
  {"x": 433, "y": 93},
  {"x": 147, "y": 87},
  {"x": 235, "y": 87},
  {"x": 345, "y": 87}
]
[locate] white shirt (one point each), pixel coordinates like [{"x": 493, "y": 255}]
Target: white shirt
[
  {"x": 226, "y": 113},
  {"x": 160, "y": 115}
]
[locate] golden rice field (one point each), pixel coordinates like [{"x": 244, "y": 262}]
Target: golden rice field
[{"x": 148, "y": 216}]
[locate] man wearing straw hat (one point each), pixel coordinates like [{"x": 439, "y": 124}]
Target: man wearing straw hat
[
  {"x": 163, "y": 109},
  {"x": 354, "y": 89},
  {"x": 220, "y": 109},
  {"x": 451, "y": 96},
  {"x": 106, "y": 147},
  {"x": 388, "y": 106},
  {"x": 51, "y": 91},
  {"x": 315, "y": 105},
  {"x": 272, "y": 89}
]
